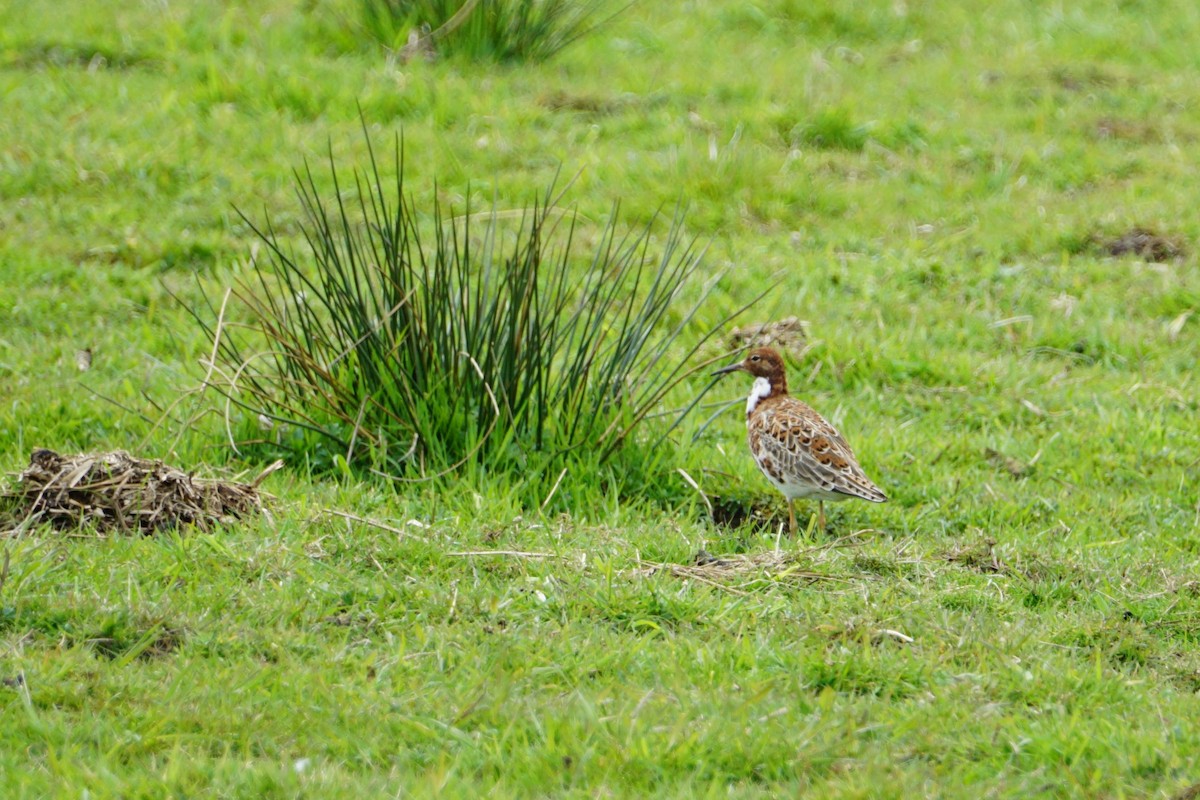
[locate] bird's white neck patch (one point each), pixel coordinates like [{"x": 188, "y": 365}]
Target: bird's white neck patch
[{"x": 759, "y": 391}]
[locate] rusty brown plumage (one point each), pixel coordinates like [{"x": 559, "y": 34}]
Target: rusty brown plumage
[{"x": 798, "y": 450}]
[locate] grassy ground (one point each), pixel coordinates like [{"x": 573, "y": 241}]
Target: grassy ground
[{"x": 936, "y": 183}]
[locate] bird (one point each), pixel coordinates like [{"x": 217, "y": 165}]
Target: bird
[{"x": 798, "y": 450}]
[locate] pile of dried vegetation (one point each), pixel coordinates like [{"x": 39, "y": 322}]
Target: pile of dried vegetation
[{"x": 119, "y": 492}]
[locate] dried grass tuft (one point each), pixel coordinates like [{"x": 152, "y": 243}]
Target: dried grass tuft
[
  {"x": 1145, "y": 244},
  {"x": 119, "y": 492},
  {"x": 737, "y": 573},
  {"x": 789, "y": 333}
]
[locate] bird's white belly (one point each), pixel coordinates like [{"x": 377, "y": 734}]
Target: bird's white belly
[
  {"x": 804, "y": 491},
  {"x": 795, "y": 488}
]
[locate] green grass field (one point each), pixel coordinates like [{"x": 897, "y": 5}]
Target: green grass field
[{"x": 937, "y": 184}]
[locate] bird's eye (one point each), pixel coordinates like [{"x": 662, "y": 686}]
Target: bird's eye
[{"x": 756, "y": 358}]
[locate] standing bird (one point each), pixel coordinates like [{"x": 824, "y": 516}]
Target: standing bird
[{"x": 795, "y": 447}]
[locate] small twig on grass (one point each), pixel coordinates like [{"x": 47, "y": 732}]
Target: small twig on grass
[
  {"x": 842, "y": 541},
  {"x": 371, "y": 523},
  {"x": 553, "y": 489},
  {"x": 702, "y": 579},
  {"x": 212, "y": 360},
  {"x": 354, "y": 434},
  {"x": 692, "y": 482},
  {"x": 26, "y": 697},
  {"x": 453, "y": 604},
  {"x": 732, "y": 567},
  {"x": 271, "y": 468},
  {"x": 512, "y": 553},
  {"x": 469, "y": 709}
]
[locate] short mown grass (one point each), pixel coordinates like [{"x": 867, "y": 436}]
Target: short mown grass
[{"x": 937, "y": 185}]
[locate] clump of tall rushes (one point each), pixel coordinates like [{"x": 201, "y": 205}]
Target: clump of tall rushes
[
  {"x": 496, "y": 30},
  {"x": 415, "y": 345}
]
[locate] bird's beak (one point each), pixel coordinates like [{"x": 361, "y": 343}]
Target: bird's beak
[{"x": 730, "y": 368}]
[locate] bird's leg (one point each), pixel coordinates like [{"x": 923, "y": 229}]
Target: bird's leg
[
  {"x": 791, "y": 517},
  {"x": 821, "y": 506}
]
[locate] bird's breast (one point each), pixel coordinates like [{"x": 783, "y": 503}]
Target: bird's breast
[{"x": 758, "y": 392}]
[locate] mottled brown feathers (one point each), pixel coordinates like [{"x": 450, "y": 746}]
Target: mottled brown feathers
[
  {"x": 795, "y": 447},
  {"x": 807, "y": 453}
]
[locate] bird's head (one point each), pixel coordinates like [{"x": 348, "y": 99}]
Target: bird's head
[{"x": 761, "y": 362}]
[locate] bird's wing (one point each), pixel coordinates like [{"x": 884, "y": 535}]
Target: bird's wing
[{"x": 809, "y": 449}]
